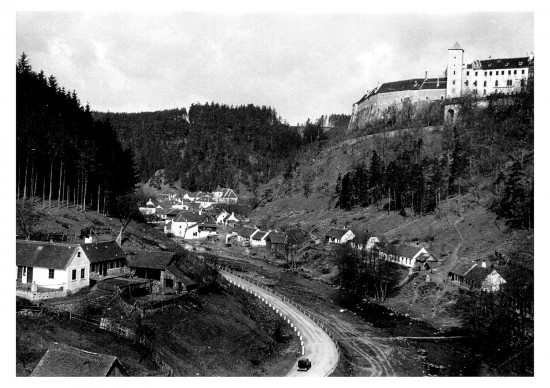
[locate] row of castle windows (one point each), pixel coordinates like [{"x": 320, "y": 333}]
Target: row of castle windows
[
  {"x": 502, "y": 72},
  {"x": 508, "y": 83}
]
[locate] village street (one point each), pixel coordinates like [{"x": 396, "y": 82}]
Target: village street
[{"x": 318, "y": 346}]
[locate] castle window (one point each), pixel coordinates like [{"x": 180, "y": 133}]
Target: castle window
[
  {"x": 475, "y": 83},
  {"x": 523, "y": 72},
  {"x": 509, "y": 82},
  {"x": 484, "y": 83},
  {"x": 496, "y": 73},
  {"x": 485, "y": 74},
  {"x": 496, "y": 83},
  {"x": 490, "y": 73},
  {"x": 484, "y": 92},
  {"x": 520, "y": 63},
  {"x": 454, "y": 72},
  {"x": 515, "y": 71},
  {"x": 466, "y": 83},
  {"x": 442, "y": 97},
  {"x": 454, "y": 82},
  {"x": 426, "y": 97},
  {"x": 476, "y": 73},
  {"x": 467, "y": 73},
  {"x": 509, "y": 72}
]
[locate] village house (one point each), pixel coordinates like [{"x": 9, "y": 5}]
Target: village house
[
  {"x": 474, "y": 276},
  {"x": 66, "y": 361},
  {"x": 225, "y": 195},
  {"x": 365, "y": 242},
  {"x": 339, "y": 236},
  {"x": 52, "y": 265},
  {"x": 152, "y": 265},
  {"x": 276, "y": 242},
  {"x": 415, "y": 257},
  {"x": 220, "y": 217},
  {"x": 180, "y": 225},
  {"x": 245, "y": 235},
  {"x": 230, "y": 220},
  {"x": 258, "y": 239},
  {"x": 107, "y": 259},
  {"x": 167, "y": 214},
  {"x": 205, "y": 201}
]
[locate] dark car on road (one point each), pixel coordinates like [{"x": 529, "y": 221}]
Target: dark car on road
[{"x": 304, "y": 364}]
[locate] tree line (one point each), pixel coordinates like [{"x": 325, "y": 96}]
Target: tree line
[
  {"x": 488, "y": 151},
  {"x": 63, "y": 155}
]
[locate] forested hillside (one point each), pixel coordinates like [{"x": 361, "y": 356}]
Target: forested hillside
[
  {"x": 488, "y": 152},
  {"x": 62, "y": 152},
  {"x": 213, "y": 145},
  {"x": 156, "y": 139}
]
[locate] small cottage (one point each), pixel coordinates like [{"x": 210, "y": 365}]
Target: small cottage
[
  {"x": 175, "y": 281},
  {"x": 258, "y": 239},
  {"x": 244, "y": 235},
  {"x": 339, "y": 236},
  {"x": 66, "y": 361},
  {"x": 52, "y": 265},
  {"x": 276, "y": 242},
  {"x": 415, "y": 257}
]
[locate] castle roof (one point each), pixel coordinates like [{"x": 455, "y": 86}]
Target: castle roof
[
  {"x": 456, "y": 46},
  {"x": 500, "y": 63},
  {"x": 409, "y": 84}
]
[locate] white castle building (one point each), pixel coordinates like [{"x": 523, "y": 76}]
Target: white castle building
[{"x": 480, "y": 78}]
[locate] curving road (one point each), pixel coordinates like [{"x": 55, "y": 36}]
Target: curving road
[{"x": 318, "y": 346}]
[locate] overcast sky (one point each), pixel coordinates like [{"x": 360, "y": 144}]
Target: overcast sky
[{"x": 303, "y": 65}]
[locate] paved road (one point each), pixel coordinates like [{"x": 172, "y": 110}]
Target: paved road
[{"x": 318, "y": 346}]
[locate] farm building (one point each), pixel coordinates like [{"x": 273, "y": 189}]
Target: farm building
[
  {"x": 52, "y": 265},
  {"x": 258, "y": 239},
  {"x": 66, "y": 361},
  {"x": 106, "y": 259}
]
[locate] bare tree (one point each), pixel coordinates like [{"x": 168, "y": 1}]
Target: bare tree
[{"x": 28, "y": 217}]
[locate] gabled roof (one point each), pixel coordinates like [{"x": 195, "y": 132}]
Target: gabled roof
[
  {"x": 103, "y": 251},
  {"x": 456, "y": 46},
  {"x": 261, "y": 234},
  {"x": 504, "y": 63},
  {"x": 277, "y": 238},
  {"x": 336, "y": 233},
  {"x": 66, "y": 361},
  {"x": 150, "y": 259},
  {"x": 246, "y": 232},
  {"x": 409, "y": 84},
  {"x": 178, "y": 273},
  {"x": 477, "y": 274},
  {"x": 406, "y": 250},
  {"x": 228, "y": 193},
  {"x": 188, "y": 216},
  {"x": 461, "y": 269},
  {"x": 44, "y": 255}
]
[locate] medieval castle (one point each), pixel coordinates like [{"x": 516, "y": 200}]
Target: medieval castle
[{"x": 479, "y": 78}]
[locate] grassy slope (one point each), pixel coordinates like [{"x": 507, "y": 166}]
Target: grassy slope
[{"x": 465, "y": 215}]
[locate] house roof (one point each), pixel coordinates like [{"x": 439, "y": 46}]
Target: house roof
[
  {"x": 228, "y": 193},
  {"x": 150, "y": 259},
  {"x": 336, "y": 233},
  {"x": 44, "y": 255},
  {"x": 461, "y": 269},
  {"x": 477, "y": 274},
  {"x": 500, "y": 63},
  {"x": 103, "y": 251},
  {"x": 246, "y": 232},
  {"x": 178, "y": 273},
  {"x": 261, "y": 234},
  {"x": 66, "y": 361},
  {"x": 406, "y": 250},
  {"x": 277, "y": 238},
  {"x": 188, "y": 216}
]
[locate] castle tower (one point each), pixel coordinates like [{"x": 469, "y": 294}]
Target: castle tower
[{"x": 455, "y": 60}]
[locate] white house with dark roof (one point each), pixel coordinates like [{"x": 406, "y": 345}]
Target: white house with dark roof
[
  {"x": 339, "y": 236},
  {"x": 52, "y": 265},
  {"x": 408, "y": 256},
  {"x": 258, "y": 238},
  {"x": 225, "y": 195}
]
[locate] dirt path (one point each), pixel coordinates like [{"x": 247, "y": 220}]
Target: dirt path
[{"x": 318, "y": 346}]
